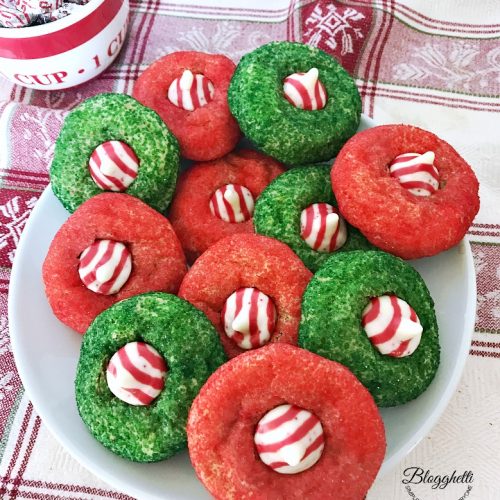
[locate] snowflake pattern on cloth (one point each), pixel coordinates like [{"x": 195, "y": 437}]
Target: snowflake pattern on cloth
[
  {"x": 337, "y": 29},
  {"x": 14, "y": 213}
]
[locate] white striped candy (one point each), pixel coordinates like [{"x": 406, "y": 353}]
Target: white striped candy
[
  {"x": 305, "y": 90},
  {"x": 322, "y": 228},
  {"x": 392, "y": 326},
  {"x": 249, "y": 318},
  {"x": 232, "y": 203},
  {"x": 136, "y": 374},
  {"x": 113, "y": 166},
  {"x": 190, "y": 91},
  {"x": 11, "y": 17},
  {"x": 105, "y": 266},
  {"x": 289, "y": 439},
  {"x": 38, "y": 6},
  {"x": 416, "y": 172}
]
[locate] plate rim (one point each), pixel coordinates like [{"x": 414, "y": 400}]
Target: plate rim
[
  {"x": 458, "y": 370},
  {"x": 115, "y": 482}
]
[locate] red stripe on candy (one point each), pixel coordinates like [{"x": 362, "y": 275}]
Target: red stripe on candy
[
  {"x": 319, "y": 441},
  {"x": 114, "y": 155},
  {"x": 157, "y": 362},
  {"x": 243, "y": 203},
  {"x": 290, "y": 414},
  {"x": 106, "y": 287},
  {"x": 372, "y": 313},
  {"x": 140, "y": 376},
  {"x": 271, "y": 316},
  {"x": 117, "y": 182},
  {"x": 141, "y": 396},
  {"x": 253, "y": 313},
  {"x": 91, "y": 275},
  {"x": 239, "y": 301},
  {"x": 403, "y": 158},
  {"x": 193, "y": 91},
  {"x": 419, "y": 185},
  {"x": 304, "y": 95},
  {"x": 393, "y": 325},
  {"x": 180, "y": 95},
  {"x": 85, "y": 261},
  {"x": 309, "y": 222},
  {"x": 227, "y": 205},
  {"x": 206, "y": 89},
  {"x": 399, "y": 351},
  {"x": 215, "y": 206},
  {"x": 277, "y": 465},
  {"x": 323, "y": 212},
  {"x": 295, "y": 436},
  {"x": 333, "y": 241},
  {"x": 317, "y": 95},
  {"x": 413, "y": 314},
  {"x": 412, "y": 169}
]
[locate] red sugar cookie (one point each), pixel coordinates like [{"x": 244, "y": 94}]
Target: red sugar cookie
[
  {"x": 196, "y": 223},
  {"x": 386, "y": 212},
  {"x": 208, "y": 131},
  {"x": 158, "y": 263},
  {"x": 248, "y": 261},
  {"x": 224, "y": 416}
]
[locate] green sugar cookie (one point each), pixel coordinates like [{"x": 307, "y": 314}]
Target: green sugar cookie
[
  {"x": 278, "y": 214},
  {"x": 111, "y": 142},
  {"x": 188, "y": 344},
  {"x": 332, "y": 315},
  {"x": 277, "y": 126}
]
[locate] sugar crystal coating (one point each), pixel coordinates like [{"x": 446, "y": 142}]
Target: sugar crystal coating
[
  {"x": 108, "y": 117},
  {"x": 331, "y": 323},
  {"x": 390, "y": 216},
  {"x": 225, "y": 414},
  {"x": 279, "y": 208},
  {"x": 187, "y": 342},
  {"x": 292, "y": 135}
]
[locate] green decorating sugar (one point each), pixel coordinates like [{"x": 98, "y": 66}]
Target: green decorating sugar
[
  {"x": 277, "y": 212},
  {"x": 119, "y": 117},
  {"x": 191, "y": 348},
  {"x": 291, "y": 135},
  {"x": 332, "y": 307}
]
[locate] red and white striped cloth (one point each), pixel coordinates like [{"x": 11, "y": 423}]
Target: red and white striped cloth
[
  {"x": 322, "y": 227},
  {"x": 191, "y": 91},
  {"x": 232, "y": 203},
  {"x": 289, "y": 439},
  {"x": 105, "y": 266},
  {"x": 305, "y": 90},
  {"x": 113, "y": 166},
  {"x": 249, "y": 318},
  {"x": 136, "y": 374}
]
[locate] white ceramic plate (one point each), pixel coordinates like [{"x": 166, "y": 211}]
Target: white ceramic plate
[{"x": 46, "y": 354}]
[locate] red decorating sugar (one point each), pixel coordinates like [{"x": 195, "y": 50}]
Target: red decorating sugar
[
  {"x": 190, "y": 215},
  {"x": 391, "y": 217},
  {"x": 248, "y": 260},
  {"x": 158, "y": 263},
  {"x": 225, "y": 413},
  {"x": 208, "y": 132}
]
